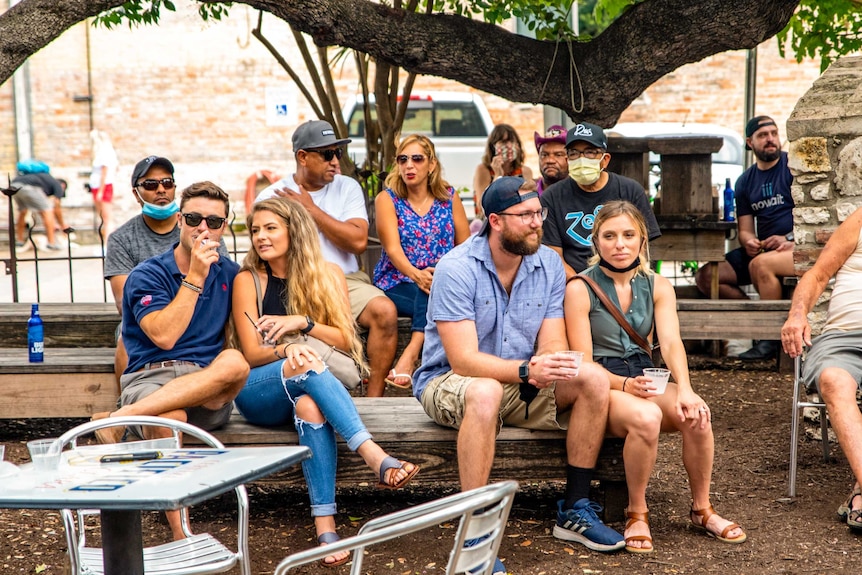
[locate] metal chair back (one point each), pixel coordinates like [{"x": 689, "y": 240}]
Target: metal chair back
[
  {"x": 482, "y": 515},
  {"x": 200, "y": 553}
]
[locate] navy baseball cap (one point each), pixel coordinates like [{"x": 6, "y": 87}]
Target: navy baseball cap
[
  {"x": 503, "y": 193},
  {"x": 142, "y": 167},
  {"x": 589, "y": 133}
]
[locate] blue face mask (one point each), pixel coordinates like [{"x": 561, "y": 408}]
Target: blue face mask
[{"x": 160, "y": 212}]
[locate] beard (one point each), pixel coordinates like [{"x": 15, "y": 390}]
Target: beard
[
  {"x": 767, "y": 156},
  {"x": 553, "y": 174},
  {"x": 519, "y": 244}
]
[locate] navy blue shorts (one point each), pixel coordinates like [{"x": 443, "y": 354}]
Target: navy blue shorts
[
  {"x": 739, "y": 260},
  {"x": 631, "y": 366}
]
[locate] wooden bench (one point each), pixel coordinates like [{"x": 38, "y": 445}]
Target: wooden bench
[
  {"x": 731, "y": 319},
  {"x": 65, "y": 324}
]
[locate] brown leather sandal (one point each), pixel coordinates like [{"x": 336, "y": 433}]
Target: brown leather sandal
[
  {"x": 634, "y": 517},
  {"x": 704, "y": 515}
]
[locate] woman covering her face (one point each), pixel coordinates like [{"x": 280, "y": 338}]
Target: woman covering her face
[
  {"x": 288, "y": 383},
  {"x": 620, "y": 267}
]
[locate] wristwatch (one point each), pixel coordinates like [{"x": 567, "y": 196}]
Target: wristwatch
[
  {"x": 309, "y": 327},
  {"x": 524, "y": 372},
  {"x": 790, "y": 237}
]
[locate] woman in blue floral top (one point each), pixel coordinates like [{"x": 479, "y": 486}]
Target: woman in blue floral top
[{"x": 419, "y": 219}]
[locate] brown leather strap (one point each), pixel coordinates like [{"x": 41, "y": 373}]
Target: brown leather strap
[{"x": 615, "y": 312}]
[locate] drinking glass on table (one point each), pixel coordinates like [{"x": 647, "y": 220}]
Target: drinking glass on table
[{"x": 45, "y": 454}]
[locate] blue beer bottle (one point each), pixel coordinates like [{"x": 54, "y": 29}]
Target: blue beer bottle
[
  {"x": 35, "y": 336},
  {"x": 728, "y": 202}
]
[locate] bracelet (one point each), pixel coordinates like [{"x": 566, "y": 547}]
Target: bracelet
[
  {"x": 624, "y": 382},
  {"x": 192, "y": 286},
  {"x": 287, "y": 345}
]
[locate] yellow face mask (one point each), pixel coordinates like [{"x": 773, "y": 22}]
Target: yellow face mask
[{"x": 586, "y": 171}]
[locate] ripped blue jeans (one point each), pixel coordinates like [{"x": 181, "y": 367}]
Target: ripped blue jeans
[{"x": 269, "y": 399}]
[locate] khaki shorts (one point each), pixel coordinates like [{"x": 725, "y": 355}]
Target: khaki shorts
[
  {"x": 360, "y": 290},
  {"x": 443, "y": 401},
  {"x": 138, "y": 385}
]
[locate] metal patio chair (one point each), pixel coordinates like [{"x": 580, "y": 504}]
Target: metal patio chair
[
  {"x": 483, "y": 513},
  {"x": 200, "y": 553},
  {"x": 800, "y": 402}
]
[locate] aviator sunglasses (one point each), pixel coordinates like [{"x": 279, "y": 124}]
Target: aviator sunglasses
[
  {"x": 153, "y": 185},
  {"x": 213, "y": 222},
  {"x": 415, "y": 158},
  {"x": 329, "y": 154}
]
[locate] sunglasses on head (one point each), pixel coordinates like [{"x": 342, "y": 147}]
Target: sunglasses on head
[
  {"x": 415, "y": 158},
  {"x": 153, "y": 185},
  {"x": 213, "y": 222},
  {"x": 329, "y": 154}
]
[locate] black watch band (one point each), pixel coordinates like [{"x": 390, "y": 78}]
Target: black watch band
[
  {"x": 309, "y": 327},
  {"x": 524, "y": 372}
]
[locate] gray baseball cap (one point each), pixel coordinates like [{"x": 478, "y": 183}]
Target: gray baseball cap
[
  {"x": 142, "y": 167},
  {"x": 316, "y": 134}
]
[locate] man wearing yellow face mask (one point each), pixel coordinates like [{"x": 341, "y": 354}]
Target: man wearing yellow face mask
[{"x": 574, "y": 203}]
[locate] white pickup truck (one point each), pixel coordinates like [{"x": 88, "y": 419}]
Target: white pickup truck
[{"x": 457, "y": 122}]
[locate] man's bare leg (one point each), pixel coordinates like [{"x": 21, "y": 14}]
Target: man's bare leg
[
  {"x": 727, "y": 282},
  {"x": 768, "y": 269},
  {"x": 838, "y": 389},
  {"x": 478, "y": 433},
  {"x": 380, "y": 318}
]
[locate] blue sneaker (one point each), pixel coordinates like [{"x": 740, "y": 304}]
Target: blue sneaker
[
  {"x": 499, "y": 568},
  {"x": 581, "y": 524}
]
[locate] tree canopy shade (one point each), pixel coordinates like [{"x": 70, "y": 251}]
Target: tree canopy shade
[{"x": 593, "y": 80}]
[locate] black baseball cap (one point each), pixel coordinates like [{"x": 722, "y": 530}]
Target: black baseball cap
[
  {"x": 755, "y": 124},
  {"x": 503, "y": 193},
  {"x": 589, "y": 133},
  {"x": 142, "y": 167}
]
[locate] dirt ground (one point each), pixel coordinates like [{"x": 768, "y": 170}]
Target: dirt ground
[{"x": 751, "y": 408}]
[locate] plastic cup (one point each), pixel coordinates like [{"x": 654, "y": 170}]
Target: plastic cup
[
  {"x": 659, "y": 377},
  {"x": 577, "y": 356},
  {"x": 45, "y": 454}
]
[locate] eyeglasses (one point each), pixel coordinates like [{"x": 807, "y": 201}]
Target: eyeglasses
[
  {"x": 329, "y": 154},
  {"x": 153, "y": 185},
  {"x": 590, "y": 153},
  {"x": 415, "y": 158},
  {"x": 213, "y": 222},
  {"x": 528, "y": 217}
]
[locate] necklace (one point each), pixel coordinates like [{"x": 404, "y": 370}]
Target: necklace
[{"x": 422, "y": 206}]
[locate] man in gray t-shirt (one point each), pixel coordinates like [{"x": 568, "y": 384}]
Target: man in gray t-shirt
[{"x": 150, "y": 233}]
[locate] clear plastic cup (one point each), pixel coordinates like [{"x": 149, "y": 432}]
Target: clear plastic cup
[
  {"x": 45, "y": 454},
  {"x": 577, "y": 356},
  {"x": 659, "y": 377}
]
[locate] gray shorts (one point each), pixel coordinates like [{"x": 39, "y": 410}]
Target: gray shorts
[
  {"x": 32, "y": 198},
  {"x": 443, "y": 401},
  {"x": 138, "y": 385},
  {"x": 841, "y": 349}
]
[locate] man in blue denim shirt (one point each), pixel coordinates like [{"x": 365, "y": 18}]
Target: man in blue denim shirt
[{"x": 494, "y": 300}]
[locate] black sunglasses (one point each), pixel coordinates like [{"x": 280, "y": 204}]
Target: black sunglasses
[
  {"x": 213, "y": 222},
  {"x": 329, "y": 154},
  {"x": 415, "y": 158},
  {"x": 153, "y": 185}
]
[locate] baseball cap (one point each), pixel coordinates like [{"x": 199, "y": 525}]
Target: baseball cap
[
  {"x": 142, "y": 167},
  {"x": 755, "y": 124},
  {"x": 555, "y": 133},
  {"x": 589, "y": 133},
  {"x": 315, "y": 134},
  {"x": 503, "y": 193}
]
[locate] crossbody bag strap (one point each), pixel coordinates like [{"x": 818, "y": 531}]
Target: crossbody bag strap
[
  {"x": 615, "y": 312},
  {"x": 257, "y": 290}
]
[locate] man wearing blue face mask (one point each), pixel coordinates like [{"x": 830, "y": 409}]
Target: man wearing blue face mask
[
  {"x": 574, "y": 202},
  {"x": 150, "y": 233}
]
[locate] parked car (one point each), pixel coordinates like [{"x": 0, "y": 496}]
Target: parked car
[
  {"x": 457, "y": 122},
  {"x": 726, "y": 163}
]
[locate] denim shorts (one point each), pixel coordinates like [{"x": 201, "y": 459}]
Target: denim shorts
[{"x": 631, "y": 366}]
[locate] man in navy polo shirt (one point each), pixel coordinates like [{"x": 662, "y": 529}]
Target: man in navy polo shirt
[{"x": 175, "y": 307}]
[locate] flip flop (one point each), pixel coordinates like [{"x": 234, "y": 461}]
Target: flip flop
[
  {"x": 390, "y": 462},
  {"x": 326, "y": 539},
  {"x": 390, "y": 379}
]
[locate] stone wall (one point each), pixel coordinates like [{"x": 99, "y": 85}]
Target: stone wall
[{"x": 825, "y": 135}]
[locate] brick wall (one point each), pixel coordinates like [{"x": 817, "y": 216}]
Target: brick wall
[{"x": 197, "y": 93}]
